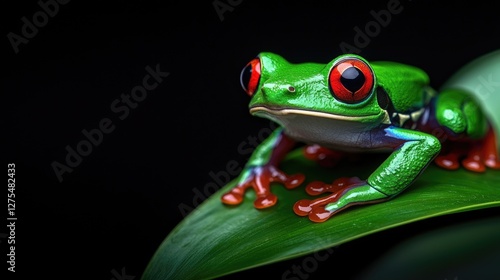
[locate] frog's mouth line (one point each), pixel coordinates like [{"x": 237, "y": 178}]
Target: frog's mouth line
[{"x": 290, "y": 111}]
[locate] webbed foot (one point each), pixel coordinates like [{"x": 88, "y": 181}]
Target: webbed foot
[
  {"x": 344, "y": 191},
  {"x": 473, "y": 156},
  {"x": 260, "y": 178}
]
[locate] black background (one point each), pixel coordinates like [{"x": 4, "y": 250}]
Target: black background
[{"x": 121, "y": 201}]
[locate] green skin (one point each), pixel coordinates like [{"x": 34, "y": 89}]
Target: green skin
[{"x": 298, "y": 97}]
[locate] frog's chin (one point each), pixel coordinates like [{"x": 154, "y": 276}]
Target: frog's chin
[{"x": 329, "y": 130}]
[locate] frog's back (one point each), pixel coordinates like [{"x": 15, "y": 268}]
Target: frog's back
[{"x": 406, "y": 85}]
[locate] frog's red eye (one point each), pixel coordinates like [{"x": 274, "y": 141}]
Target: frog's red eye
[
  {"x": 250, "y": 75},
  {"x": 351, "y": 80}
]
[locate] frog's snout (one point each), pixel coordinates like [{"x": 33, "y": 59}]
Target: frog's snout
[{"x": 275, "y": 89}]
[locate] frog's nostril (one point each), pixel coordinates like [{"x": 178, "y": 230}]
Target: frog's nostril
[{"x": 291, "y": 89}]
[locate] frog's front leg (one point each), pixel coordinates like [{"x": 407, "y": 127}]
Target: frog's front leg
[
  {"x": 262, "y": 169},
  {"x": 413, "y": 151}
]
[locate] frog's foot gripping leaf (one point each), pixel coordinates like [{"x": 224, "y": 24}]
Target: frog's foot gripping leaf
[
  {"x": 474, "y": 156},
  {"x": 260, "y": 179},
  {"x": 344, "y": 191}
]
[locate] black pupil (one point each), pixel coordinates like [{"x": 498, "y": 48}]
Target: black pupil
[
  {"x": 352, "y": 79},
  {"x": 246, "y": 73}
]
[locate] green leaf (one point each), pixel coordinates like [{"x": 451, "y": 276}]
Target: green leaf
[{"x": 216, "y": 240}]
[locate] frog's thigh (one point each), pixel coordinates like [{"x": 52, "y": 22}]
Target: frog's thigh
[
  {"x": 413, "y": 151},
  {"x": 458, "y": 111}
]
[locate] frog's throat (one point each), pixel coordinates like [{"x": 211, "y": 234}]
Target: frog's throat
[{"x": 290, "y": 111}]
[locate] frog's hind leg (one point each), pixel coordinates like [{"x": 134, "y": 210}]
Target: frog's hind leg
[{"x": 472, "y": 141}]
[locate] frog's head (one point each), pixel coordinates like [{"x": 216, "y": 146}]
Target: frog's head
[{"x": 344, "y": 89}]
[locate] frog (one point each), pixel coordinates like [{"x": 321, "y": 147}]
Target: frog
[{"x": 352, "y": 106}]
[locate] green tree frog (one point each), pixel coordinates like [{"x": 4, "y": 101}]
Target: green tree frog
[{"x": 350, "y": 105}]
